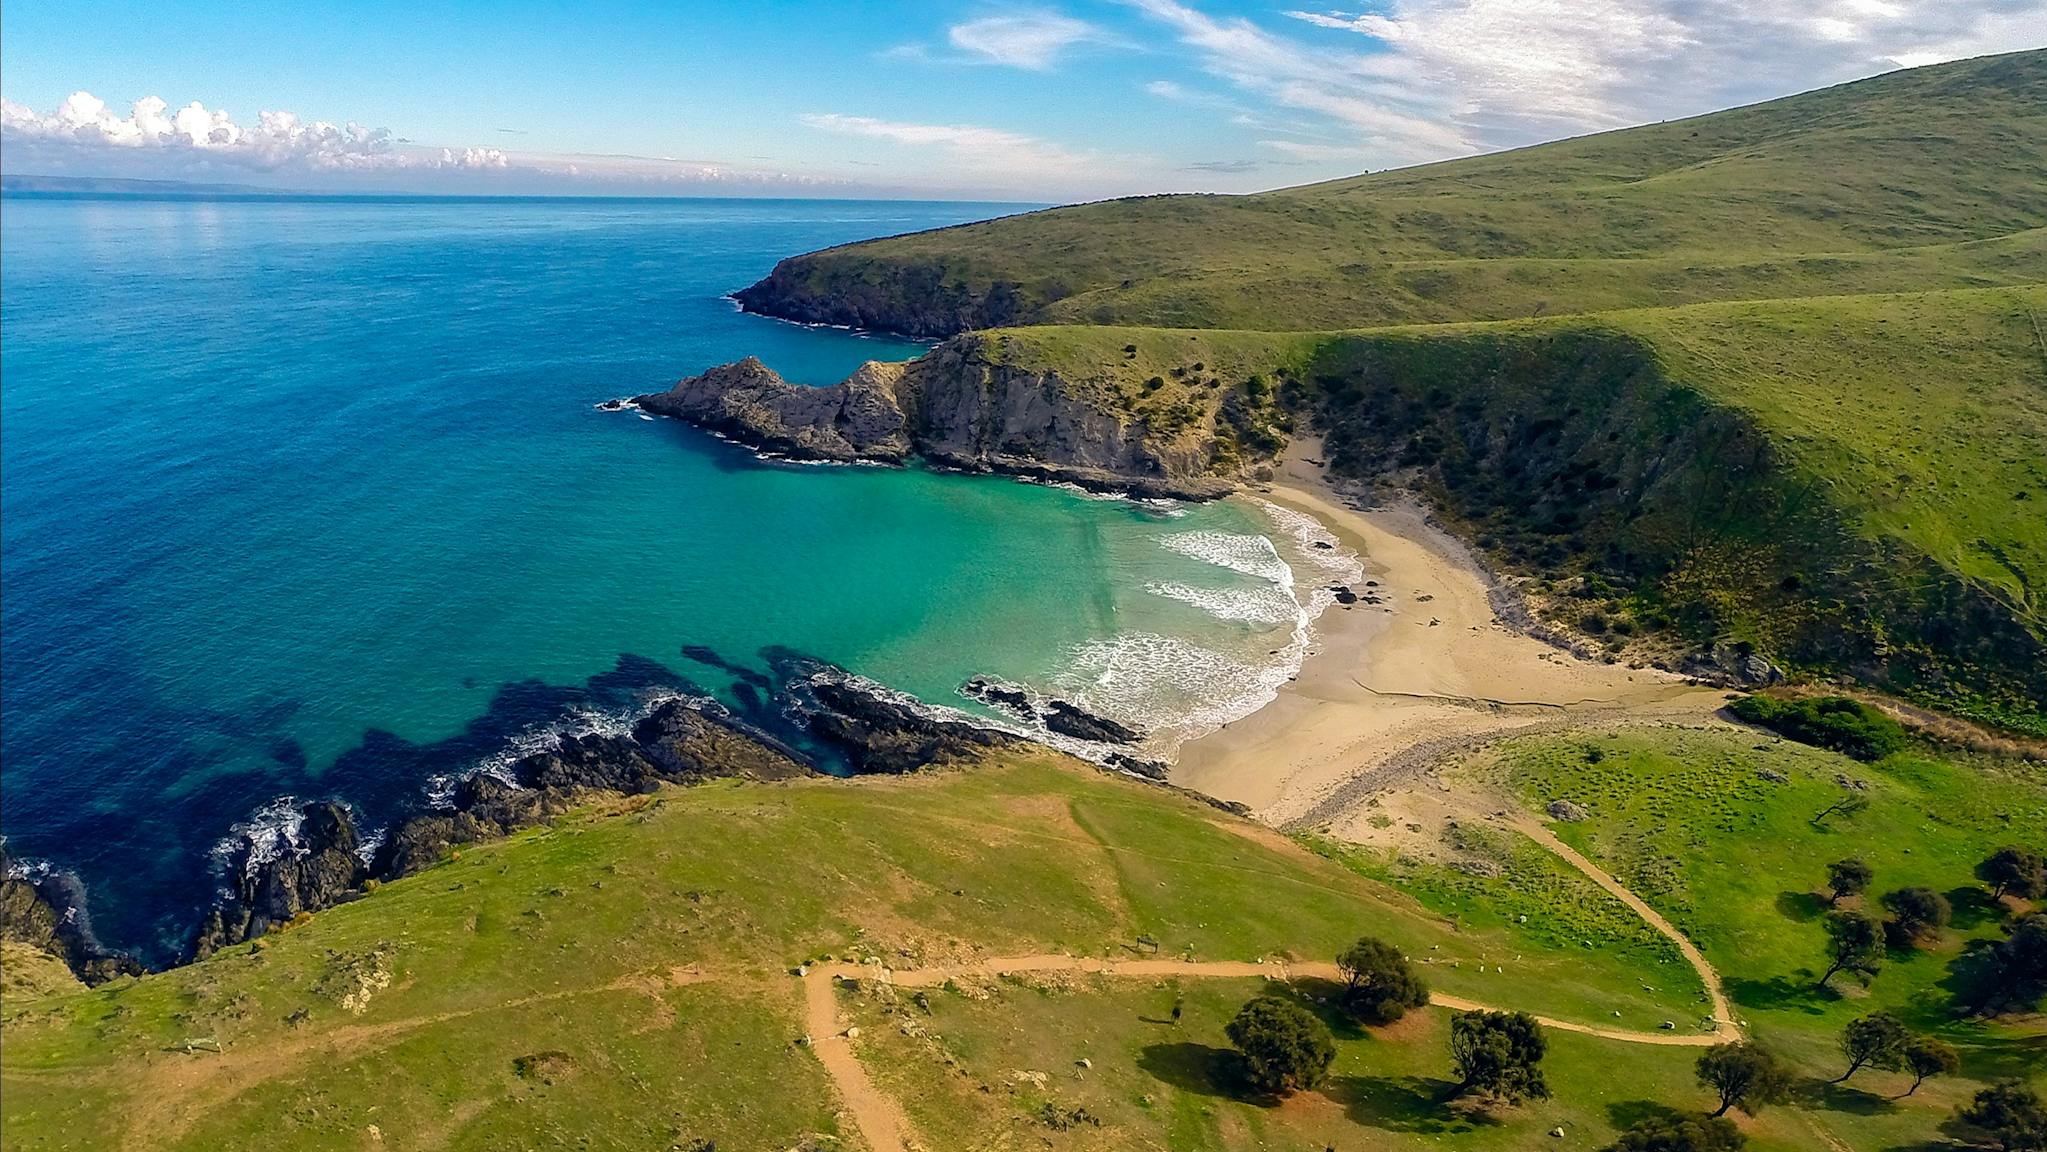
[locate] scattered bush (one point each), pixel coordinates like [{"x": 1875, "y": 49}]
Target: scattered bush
[
  {"x": 1836, "y": 722},
  {"x": 2018, "y": 967},
  {"x": 1916, "y": 913},
  {"x": 2010, "y": 1113},
  {"x": 1848, "y": 878},
  {"x": 1855, "y": 943},
  {"x": 1926, "y": 1056},
  {"x": 1681, "y": 1134},
  {"x": 1876, "y": 1040},
  {"x": 2014, "y": 870},
  {"x": 1498, "y": 1055},
  {"x": 1379, "y": 984},
  {"x": 1744, "y": 1075},
  {"x": 1282, "y": 1045}
]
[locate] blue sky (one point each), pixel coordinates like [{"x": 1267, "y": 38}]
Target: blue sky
[{"x": 1055, "y": 101}]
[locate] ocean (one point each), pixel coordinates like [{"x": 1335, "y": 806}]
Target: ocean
[{"x": 311, "y": 498}]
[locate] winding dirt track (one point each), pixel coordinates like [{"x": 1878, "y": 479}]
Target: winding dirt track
[{"x": 885, "y": 1128}]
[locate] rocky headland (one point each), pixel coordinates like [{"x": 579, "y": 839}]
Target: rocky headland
[{"x": 959, "y": 406}]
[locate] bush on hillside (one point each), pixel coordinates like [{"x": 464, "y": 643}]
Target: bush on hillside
[
  {"x": 1499, "y": 1055},
  {"x": 1283, "y": 1046},
  {"x": 2010, "y": 1113},
  {"x": 1834, "y": 722},
  {"x": 2018, "y": 968},
  {"x": 1916, "y": 914},
  {"x": 2015, "y": 870},
  {"x": 1848, "y": 878},
  {"x": 1681, "y": 1134},
  {"x": 1379, "y": 985},
  {"x": 1744, "y": 1075}
]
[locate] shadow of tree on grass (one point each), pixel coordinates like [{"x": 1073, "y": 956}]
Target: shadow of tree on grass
[
  {"x": 1800, "y": 906},
  {"x": 1783, "y": 993},
  {"x": 1202, "y": 1069},
  {"x": 1421, "y": 1104}
]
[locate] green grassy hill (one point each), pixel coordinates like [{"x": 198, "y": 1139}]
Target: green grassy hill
[
  {"x": 1769, "y": 379},
  {"x": 1845, "y": 483},
  {"x": 1915, "y": 180},
  {"x": 625, "y": 977}
]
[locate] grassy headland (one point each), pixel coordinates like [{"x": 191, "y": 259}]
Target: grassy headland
[{"x": 1772, "y": 379}]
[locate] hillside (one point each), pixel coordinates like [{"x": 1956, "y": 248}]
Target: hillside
[
  {"x": 628, "y": 976},
  {"x": 1915, "y": 180}
]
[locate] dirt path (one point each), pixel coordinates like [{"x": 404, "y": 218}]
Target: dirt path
[
  {"x": 885, "y": 1128},
  {"x": 1723, "y": 1016}
]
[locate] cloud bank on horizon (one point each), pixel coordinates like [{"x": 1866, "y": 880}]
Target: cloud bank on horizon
[{"x": 1094, "y": 98}]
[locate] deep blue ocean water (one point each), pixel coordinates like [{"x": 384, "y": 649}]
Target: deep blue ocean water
[{"x": 310, "y": 498}]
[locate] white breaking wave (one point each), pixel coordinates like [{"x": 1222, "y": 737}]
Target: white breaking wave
[
  {"x": 574, "y": 724},
  {"x": 1315, "y": 543},
  {"x": 1250, "y": 555},
  {"x": 271, "y": 833},
  {"x": 1266, "y": 605}
]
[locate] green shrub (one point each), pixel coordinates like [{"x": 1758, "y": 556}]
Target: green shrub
[
  {"x": 1836, "y": 722},
  {"x": 1282, "y": 1045}
]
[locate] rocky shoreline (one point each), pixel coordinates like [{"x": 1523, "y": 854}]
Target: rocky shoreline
[
  {"x": 956, "y": 408},
  {"x": 321, "y": 857}
]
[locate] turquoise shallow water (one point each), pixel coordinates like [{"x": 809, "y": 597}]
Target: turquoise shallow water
[{"x": 310, "y": 497}]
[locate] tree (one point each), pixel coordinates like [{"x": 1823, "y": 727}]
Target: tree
[
  {"x": 1499, "y": 1055},
  {"x": 1284, "y": 1047},
  {"x": 1877, "y": 1040},
  {"x": 1855, "y": 943},
  {"x": 2010, "y": 1113},
  {"x": 1926, "y": 1056},
  {"x": 1681, "y": 1134},
  {"x": 1745, "y": 1075},
  {"x": 1848, "y": 878},
  {"x": 2018, "y": 966},
  {"x": 1379, "y": 985},
  {"x": 2016, "y": 871},
  {"x": 1916, "y": 913}
]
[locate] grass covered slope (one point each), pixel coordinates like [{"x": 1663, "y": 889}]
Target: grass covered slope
[
  {"x": 1843, "y": 483},
  {"x": 623, "y": 977},
  {"x": 1847, "y": 483},
  {"x": 1715, "y": 829},
  {"x": 1915, "y": 180}
]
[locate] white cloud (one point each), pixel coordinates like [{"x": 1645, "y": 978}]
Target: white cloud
[
  {"x": 1401, "y": 122},
  {"x": 1510, "y": 71},
  {"x": 985, "y": 149},
  {"x": 277, "y": 140},
  {"x": 1031, "y": 40}
]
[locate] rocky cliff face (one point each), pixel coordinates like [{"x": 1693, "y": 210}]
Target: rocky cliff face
[
  {"x": 45, "y": 909},
  {"x": 955, "y": 406},
  {"x": 926, "y": 299}
]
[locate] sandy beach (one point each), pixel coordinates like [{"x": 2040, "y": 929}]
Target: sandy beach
[{"x": 1389, "y": 688}]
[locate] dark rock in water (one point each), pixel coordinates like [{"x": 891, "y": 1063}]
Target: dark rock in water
[
  {"x": 1149, "y": 769},
  {"x": 1071, "y": 720},
  {"x": 1343, "y": 594},
  {"x": 47, "y": 911},
  {"x": 1323, "y": 544},
  {"x": 881, "y": 735},
  {"x": 675, "y": 743},
  {"x": 988, "y": 692},
  {"x": 613, "y": 406},
  {"x": 272, "y": 879}
]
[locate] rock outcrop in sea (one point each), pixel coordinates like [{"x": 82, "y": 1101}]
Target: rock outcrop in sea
[
  {"x": 956, "y": 407},
  {"x": 45, "y": 909}
]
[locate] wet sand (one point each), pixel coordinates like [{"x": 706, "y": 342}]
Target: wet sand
[{"x": 1429, "y": 668}]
